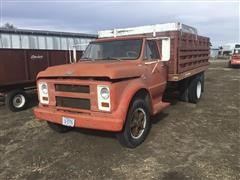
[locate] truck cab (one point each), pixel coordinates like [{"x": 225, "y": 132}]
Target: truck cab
[
  {"x": 235, "y": 58},
  {"x": 117, "y": 85}
]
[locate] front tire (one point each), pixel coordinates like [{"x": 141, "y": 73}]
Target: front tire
[
  {"x": 137, "y": 124},
  {"x": 16, "y": 100},
  {"x": 58, "y": 127}
]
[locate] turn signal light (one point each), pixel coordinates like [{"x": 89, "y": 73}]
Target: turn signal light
[
  {"x": 105, "y": 104},
  {"x": 45, "y": 98}
]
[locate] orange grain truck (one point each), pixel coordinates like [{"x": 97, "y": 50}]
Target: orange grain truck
[
  {"x": 119, "y": 82},
  {"x": 235, "y": 58}
]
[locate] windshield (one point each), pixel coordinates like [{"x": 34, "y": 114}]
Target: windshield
[{"x": 113, "y": 50}]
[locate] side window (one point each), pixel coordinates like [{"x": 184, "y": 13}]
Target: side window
[{"x": 151, "y": 51}]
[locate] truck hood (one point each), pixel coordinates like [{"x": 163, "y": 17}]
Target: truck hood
[{"x": 111, "y": 69}]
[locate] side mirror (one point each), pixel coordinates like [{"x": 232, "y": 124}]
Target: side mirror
[{"x": 166, "y": 49}]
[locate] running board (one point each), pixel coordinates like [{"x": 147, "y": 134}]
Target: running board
[{"x": 160, "y": 106}]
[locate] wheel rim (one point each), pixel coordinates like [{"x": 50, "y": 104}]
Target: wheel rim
[
  {"x": 138, "y": 123},
  {"x": 199, "y": 89},
  {"x": 19, "y": 101}
]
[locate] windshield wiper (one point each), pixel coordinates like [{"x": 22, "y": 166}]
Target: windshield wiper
[
  {"x": 112, "y": 58},
  {"x": 87, "y": 59}
]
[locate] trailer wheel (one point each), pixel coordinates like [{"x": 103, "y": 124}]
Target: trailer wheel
[
  {"x": 195, "y": 90},
  {"x": 58, "y": 127},
  {"x": 16, "y": 100},
  {"x": 137, "y": 124}
]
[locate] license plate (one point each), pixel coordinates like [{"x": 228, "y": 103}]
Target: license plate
[{"x": 66, "y": 121}]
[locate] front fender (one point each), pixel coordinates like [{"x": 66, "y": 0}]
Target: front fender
[{"x": 127, "y": 94}]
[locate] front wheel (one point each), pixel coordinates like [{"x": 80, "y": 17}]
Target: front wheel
[{"x": 137, "y": 124}]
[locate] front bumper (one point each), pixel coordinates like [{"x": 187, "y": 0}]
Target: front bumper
[{"x": 97, "y": 120}]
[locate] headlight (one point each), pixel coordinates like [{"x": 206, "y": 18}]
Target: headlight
[
  {"x": 43, "y": 92},
  {"x": 44, "y": 89},
  {"x": 105, "y": 93},
  {"x": 104, "y": 102}
]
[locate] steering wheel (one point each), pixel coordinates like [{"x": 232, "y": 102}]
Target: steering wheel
[{"x": 131, "y": 54}]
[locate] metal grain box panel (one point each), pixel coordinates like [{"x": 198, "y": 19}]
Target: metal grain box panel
[
  {"x": 21, "y": 66},
  {"x": 188, "y": 51}
]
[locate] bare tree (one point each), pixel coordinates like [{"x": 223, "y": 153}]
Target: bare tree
[{"x": 9, "y": 26}]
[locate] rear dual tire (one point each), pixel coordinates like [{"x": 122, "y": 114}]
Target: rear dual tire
[
  {"x": 195, "y": 90},
  {"x": 191, "y": 89}
]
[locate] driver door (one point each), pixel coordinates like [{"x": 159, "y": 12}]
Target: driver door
[{"x": 156, "y": 71}]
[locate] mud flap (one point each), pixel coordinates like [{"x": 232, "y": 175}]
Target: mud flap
[{"x": 183, "y": 96}]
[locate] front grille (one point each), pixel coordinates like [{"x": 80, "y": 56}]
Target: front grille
[
  {"x": 72, "y": 88},
  {"x": 73, "y": 102}
]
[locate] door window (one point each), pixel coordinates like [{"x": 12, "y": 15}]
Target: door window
[{"x": 151, "y": 50}]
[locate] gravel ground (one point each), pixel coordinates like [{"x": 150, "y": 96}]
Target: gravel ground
[{"x": 187, "y": 141}]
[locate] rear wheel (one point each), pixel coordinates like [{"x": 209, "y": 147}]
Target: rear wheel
[
  {"x": 137, "y": 124},
  {"x": 183, "y": 90},
  {"x": 195, "y": 90},
  {"x": 16, "y": 100},
  {"x": 58, "y": 127}
]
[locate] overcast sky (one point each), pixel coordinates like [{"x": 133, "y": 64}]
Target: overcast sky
[{"x": 217, "y": 19}]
